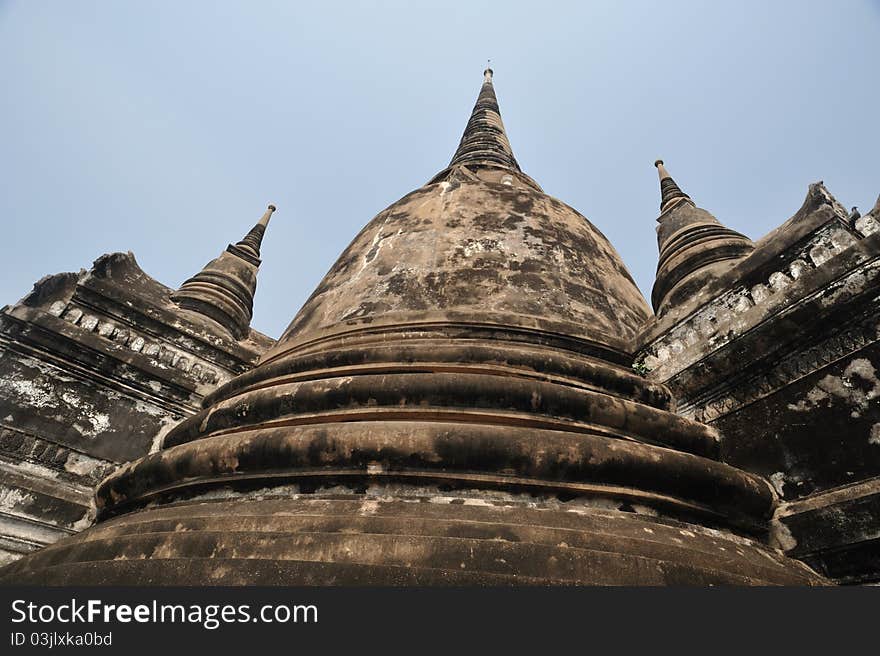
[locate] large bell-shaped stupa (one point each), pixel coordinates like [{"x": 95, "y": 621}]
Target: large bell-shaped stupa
[{"x": 455, "y": 404}]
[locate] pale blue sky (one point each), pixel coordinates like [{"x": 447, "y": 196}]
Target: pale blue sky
[{"x": 166, "y": 127}]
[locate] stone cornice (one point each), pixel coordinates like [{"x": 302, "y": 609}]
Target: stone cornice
[
  {"x": 831, "y": 257},
  {"x": 84, "y": 354}
]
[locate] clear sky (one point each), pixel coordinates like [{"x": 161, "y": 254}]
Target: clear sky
[{"x": 165, "y": 128}]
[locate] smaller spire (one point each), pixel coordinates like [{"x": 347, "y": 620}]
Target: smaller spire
[
  {"x": 670, "y": 193},
  {"x": 254, "y": 239},
  {"x": 695, "y": 248},
  {"x": 224, "y": 289}
]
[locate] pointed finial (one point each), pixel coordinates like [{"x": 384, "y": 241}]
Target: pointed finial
[
  {"x": 661, "y": 170},
  {"x": 253, "y": 239},
  {"x": 484, "y": 142},
  {"x": 264, "y": 220},
  {"x": 691, "y": 242},
  {"x": 670, "y": 193},
  {"x": 224, "y": 289},
  {"x": 487, "y": 74}
]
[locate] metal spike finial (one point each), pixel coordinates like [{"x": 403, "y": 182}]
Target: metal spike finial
[
  {"x": 661, "y": 169},
  {"x": 254, "y": 239},
  {"x": 264, "y": 220}
]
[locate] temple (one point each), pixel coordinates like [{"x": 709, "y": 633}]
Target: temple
[{"x": 476, "y": 393}]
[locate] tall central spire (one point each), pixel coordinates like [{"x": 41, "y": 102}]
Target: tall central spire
[{"x": 484, "y": 140}]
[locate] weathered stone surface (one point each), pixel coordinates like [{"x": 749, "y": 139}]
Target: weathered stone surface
[
  {"x": 695, "y": 249},
  {"x": 95, "y": 367},
  {"x": 497, "y": 254},
  {"x": 386, "y": 537},
  {"x": 836, "y": 532},
  {"x": 455, "y": 404},
  {"x": 780, "y": 354}
]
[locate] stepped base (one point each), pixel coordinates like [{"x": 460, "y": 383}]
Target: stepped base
[{"x": 355, "y": 539}]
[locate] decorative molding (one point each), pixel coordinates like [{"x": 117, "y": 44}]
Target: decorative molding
[
  {"x": 713, "y": 324},
  {"x": 787, "y": 369},
  {"x": 159, "y": 354},
  {"x": 70, "y": 464}
]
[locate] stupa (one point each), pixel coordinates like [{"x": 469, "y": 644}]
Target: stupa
[{"x": 454, "y": 404}]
